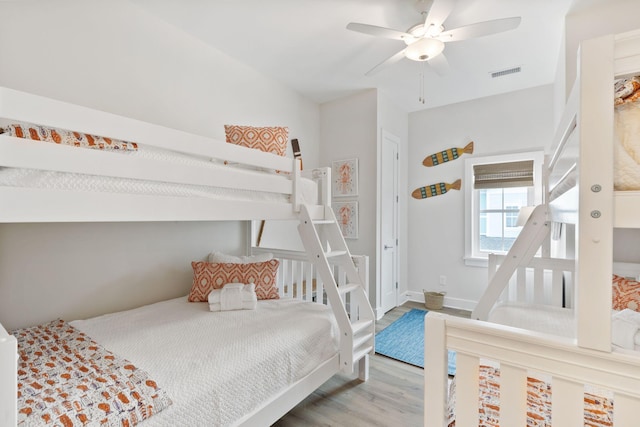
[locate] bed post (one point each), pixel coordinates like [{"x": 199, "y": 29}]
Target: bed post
[
  {"x": 8, "y": 379},
  {"x": 435, "y": 378},
  {"x": 594, "y": 241}
]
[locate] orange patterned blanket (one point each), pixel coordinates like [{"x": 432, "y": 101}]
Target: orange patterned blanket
[{"x": 67, "y": 379}]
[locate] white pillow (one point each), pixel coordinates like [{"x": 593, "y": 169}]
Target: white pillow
[{"x": 221, "y": 258}]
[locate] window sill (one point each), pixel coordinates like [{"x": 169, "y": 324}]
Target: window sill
[{"x": 476, "y": 262}]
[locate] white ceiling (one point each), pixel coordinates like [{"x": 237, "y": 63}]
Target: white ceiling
[{"x": 305, "y": 45}]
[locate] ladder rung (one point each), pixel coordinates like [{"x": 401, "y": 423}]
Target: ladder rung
[
  {"x": 360, "y": 325},
  {"x": 350, "y": 287},
  {"x": 334, "y": 254},
  {"x": 361, "y": 353},
  {"x": 357, "y": 342},
  {"x": 323, "y": 221}
]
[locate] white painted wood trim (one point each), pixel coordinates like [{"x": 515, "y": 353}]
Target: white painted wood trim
[
  {"x": 21, "y": 106},
  {"x": 271, "y": 411},
  {"x": 595, "y": 241},
  {"x": 8, "y": 378},
  {"x": 513, "y": 396}
]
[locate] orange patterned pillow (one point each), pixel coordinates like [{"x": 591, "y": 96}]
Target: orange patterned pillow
[
  {"x": 626, "y": 294},
  {"x": 263, "y": 274},
  {"x": 208, "y": 276},
  {"x": 268, "y": 139}
]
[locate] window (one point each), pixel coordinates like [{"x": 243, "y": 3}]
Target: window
[{"x": 496, "y": 188}]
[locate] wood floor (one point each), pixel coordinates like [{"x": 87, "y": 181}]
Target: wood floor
[{"x": 393, "y": 395}]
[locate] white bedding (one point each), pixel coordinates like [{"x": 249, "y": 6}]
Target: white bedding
[
  {"x": 34, "y": 178},
  {"x": 627, "y": 147},
  {"x": 547, "y": 319},
  {"x": 218, "y": 366},
  {"x": 541, "y": 318}
]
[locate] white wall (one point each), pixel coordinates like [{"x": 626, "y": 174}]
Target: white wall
[
  {"x": 348, "y": 129},
  {"x": 74, "y": 271},
  {"x": 116, "y": 57},
  {"x": 516, "y": 121}
]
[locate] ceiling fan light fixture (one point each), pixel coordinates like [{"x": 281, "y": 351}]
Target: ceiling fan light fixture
[{"x": 424, "y": 49}]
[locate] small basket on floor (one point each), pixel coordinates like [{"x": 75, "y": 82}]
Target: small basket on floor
[{"x": 433, "y": 300}]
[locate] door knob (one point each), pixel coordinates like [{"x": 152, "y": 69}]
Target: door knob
[{"x": 387, "y": 247}]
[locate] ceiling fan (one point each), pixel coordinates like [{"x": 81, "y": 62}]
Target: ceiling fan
[{"x": 425, "y": 40}]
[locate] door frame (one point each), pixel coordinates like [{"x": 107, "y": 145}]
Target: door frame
[{"x": 392, "y": 138}]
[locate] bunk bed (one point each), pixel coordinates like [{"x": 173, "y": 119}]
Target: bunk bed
[
  {"x": 576, "y": 367},
  {"x": 172, "y": 175}
]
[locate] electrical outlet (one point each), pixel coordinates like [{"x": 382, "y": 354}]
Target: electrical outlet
[{"x": 443, "y": 281}]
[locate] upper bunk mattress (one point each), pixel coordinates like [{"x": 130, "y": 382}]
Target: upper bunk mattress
[
  {"x": 218, "y": 366},
  {"x": 627, "y": 135}
]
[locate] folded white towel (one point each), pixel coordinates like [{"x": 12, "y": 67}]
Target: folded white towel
[
  {"x": 625, "y": 329},
  {"x": 246, "y": 305},
  {"x": 233, "y": 296}
]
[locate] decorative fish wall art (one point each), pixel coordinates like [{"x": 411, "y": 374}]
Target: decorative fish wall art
[
  {"x": 435, "y": 189},
  {"x": 447, "y": 155}
]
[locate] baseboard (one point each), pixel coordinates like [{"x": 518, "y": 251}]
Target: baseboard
[{"x": 461, "y": 304}]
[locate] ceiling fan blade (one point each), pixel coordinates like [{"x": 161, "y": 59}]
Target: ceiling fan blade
[
  {"x": 440, "y": 64},
  {"x": 374, "y": 30},
  {"x": 390, "y": 60},
  {"x": 480, "y": 29},
  {"x": 438, "y": 13}
]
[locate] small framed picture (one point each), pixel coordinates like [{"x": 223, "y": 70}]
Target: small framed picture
[
  {"x": 347, "y": 216},
  {"x": 345, "y": 178}
]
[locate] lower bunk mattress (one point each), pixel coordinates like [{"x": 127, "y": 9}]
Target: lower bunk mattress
[
  {"x": 217, "y": 368},
  {"x": 561, "y": 322}
]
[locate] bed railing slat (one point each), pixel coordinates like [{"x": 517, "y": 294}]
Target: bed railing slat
[
  {"x": 467, "y": 390},
  {"x": 567, "y": 403},
  {"x": 538, "y": 286},
  {"x": 521, "y": 284},
  {"x": 513, "y": 396},
  {"x": 625, "y": 410}
]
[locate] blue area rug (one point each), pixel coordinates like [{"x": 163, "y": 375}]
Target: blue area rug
[{"x": 404, "y": 340}]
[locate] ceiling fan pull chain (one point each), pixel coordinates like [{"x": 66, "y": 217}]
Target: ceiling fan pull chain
[{"x": 421, "y": 94}]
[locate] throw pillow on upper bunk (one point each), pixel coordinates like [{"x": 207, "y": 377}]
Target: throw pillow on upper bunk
[
  {"x": 232, "y": 259},
  {"x": 65, "y": 137},
  {"x": 270, "y": 139},
  {"x": 626, "y": 294},
  {"x": 208, "y": 276}
]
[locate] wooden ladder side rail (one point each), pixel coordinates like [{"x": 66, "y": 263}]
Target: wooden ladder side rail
[
  {"x": 357, "y": 331},
  {"x": 523, "y": 250}
]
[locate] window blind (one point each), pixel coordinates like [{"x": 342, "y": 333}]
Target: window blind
[{"x": 503, "y": 175}]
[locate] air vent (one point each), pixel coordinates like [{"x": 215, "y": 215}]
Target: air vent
[{"x": 506, "y": 72}]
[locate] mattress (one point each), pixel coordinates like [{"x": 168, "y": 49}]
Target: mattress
[
  {"x": 218, "y": 366},
  {"x": 34, "y": 178},
  {"x": 547, "y": 319}
]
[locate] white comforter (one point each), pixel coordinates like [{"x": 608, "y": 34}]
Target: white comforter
[{"x": 218, "y": 366}]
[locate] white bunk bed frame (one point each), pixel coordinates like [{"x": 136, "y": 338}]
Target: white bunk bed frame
[
  {"x": 344, "y": 291},
  {"x": 596, "y": 209}
]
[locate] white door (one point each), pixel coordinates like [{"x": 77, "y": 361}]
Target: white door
[{"x": 389, "y": 223}]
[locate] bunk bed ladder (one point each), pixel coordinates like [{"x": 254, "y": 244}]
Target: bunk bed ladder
[
  {"x": 326, "y": 247},
  {"x": 531, "y": 237}
]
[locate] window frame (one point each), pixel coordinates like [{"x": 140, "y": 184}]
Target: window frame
[{"x": 473, "y": 256}]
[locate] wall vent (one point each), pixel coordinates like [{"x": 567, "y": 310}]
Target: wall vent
[{"x": 506, "y": 72}]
